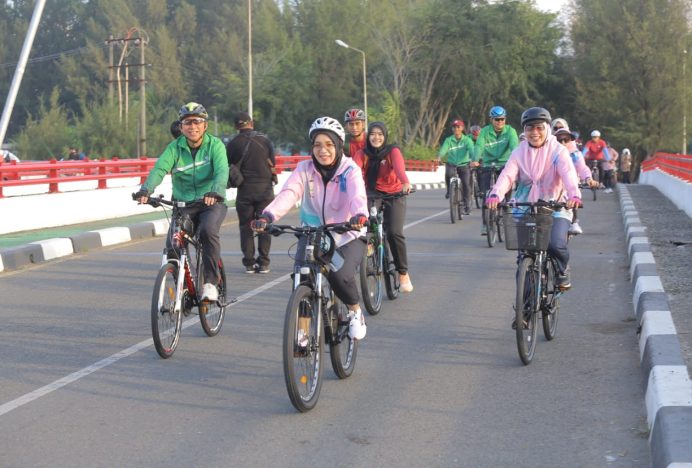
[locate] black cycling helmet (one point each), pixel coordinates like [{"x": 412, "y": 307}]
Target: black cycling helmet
[
  {"x": 192, "y": 108},
  {"x": 175, "y": 129},
  {"x": 535, "y": 114}
]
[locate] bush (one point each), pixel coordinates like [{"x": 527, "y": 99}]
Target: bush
[{"x": 419, "y": 152}]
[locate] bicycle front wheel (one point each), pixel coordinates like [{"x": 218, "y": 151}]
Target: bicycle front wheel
[
  {"x": 391, "y": 277},
  {"x": 342, "y": 349},
  {"x": 491, "y": 223},
  {"x": 371, "y": 277},
  {"x": 211, "y": 314},
  {"x": 525, "y": 309},
  {"x": 594, "y": 191},
  {"x": 302, "y": 349},
  {"x": 453, "y": 200},
  {"x": 550, "y": 306},
  {"x": 460, "y": 204},
  {"x": 498, "y": 224},
  {"x": 166, "y": 322}
]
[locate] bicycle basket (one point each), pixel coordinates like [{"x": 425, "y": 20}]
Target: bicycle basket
[{"x": 525, "y": 231}]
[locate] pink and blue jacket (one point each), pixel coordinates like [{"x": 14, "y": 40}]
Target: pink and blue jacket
[
  {"x": 545, "y": 173},
  {"x": 343, "y": 197}
]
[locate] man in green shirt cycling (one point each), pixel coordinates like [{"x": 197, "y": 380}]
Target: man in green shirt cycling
[
  {"x": 456, "y": 152},
  {"x": 494, "y": 145}
]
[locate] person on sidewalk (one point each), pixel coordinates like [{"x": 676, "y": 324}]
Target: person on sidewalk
[
  {"x": 625, "y": 166},
  {"x": 257, "y": 190}
]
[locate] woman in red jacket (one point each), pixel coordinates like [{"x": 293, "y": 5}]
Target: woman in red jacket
[{"x": 385, "y": 173}]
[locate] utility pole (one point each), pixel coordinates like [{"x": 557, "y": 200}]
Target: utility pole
[
  {"x": 143, "y": 98},
  {"x": 249, "y": 57},
  {"x": 110, "y": 69}
]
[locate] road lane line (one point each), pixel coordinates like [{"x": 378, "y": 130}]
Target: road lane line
[
  {"x": 73, "y": 377},
  {"x": 51, "y": 387}
]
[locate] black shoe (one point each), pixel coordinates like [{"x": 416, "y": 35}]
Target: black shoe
[
  {"x": 251, "y": 269},
  {"x": 563, "y": 282},
  {"x": 264, "y": 269},
  {"x": 467, "y": 211}
]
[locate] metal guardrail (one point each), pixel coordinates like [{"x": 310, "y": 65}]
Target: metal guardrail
[{"x": 677, "y": 165}]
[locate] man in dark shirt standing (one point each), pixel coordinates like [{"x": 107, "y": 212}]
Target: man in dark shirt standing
[{"x": 256, "y": 191}]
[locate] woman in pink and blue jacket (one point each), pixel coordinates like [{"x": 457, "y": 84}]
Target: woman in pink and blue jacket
[
  {"x": 543, "y": 170},
  {"x": 330, "y": 189}
]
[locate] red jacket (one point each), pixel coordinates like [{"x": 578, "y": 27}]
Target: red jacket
[
  {"x": 392, "y": 173},
  {"x": 352, "y": 146},
  {"x": 593, "y": 150}
]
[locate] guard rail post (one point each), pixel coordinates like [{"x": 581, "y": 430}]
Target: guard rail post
[{"x": 53, "y": 174}]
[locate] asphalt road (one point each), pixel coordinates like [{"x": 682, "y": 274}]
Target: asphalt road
[{"x": 437, "y": 382}]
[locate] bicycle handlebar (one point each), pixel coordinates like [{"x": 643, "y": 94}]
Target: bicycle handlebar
[
  {"x": 390, "y": 196},
  {"x": 278, "y": 229},
  {"x": 540, "y": 203},
  {"x": 157, "y": 201}
]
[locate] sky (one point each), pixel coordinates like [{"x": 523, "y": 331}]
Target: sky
[{"x": 550, "y": 5}]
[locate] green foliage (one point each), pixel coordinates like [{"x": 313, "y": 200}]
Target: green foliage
[
  {"x": 419, "y": 151},
  {"x": 49, "y": 135}
]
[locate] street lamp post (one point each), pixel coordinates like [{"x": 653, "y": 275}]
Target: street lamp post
[
  {"x": 249, "y": 56},
  {"x": 684, "y": 103},
  {"x": 365, "y": 83}
]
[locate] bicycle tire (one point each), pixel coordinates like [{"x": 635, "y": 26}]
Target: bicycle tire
[
  {"x": 594, "y": 191},
  {"x": 391, "y": 277},
  {"x": 460, "y": 204},
  {"x": 525, "y": 310},
  {"x": 211, "y": 314},
  {"x": 491, "y": 224},
  {"x": 477, "y": 195},
  {"x": 453, "y": 200},
  {"x": 302, "y": 366},
  {"x": 498, "y": 224},
  {"x": 166, "y": 322},
  {"x": 371, "y": 277},
  {"x": 550, "y": 306},
  {"x": 342, "y": 349}
]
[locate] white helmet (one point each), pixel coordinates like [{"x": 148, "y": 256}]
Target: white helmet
[
  {"x": 595, "y": 133},
  {"x": 626, "y": 151},
  {"x": 327, "y": 123},
  {"x": 559, "y": 121}
]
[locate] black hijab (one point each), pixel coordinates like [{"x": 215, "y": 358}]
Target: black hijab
[
  {"x": 328, "y": 172},
  {"x": 375, "y": 155}
]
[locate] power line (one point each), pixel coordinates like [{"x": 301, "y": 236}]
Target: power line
[{"x": 55, "y": 56}]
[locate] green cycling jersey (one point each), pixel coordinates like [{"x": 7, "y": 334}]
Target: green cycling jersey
[
  {"x": 494, "y": 147},
  {"x": 456, "y": 151}
]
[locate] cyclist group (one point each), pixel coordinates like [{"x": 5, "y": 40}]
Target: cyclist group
[{"x": 345, "y": 176}]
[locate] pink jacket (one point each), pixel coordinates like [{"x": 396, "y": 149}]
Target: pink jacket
[
  {"x": 343, "y": 197},
  {"x": 545, "y": 173}
]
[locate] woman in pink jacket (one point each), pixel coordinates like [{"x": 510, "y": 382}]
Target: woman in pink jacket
[
  {"x": 330, "y": 188},
  {"x": 543, "y": 170}
]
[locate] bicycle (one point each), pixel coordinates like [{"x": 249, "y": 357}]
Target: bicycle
[
  {"x": 476, "y": 188},
  {"x": 528, "y": 231},
  {"x": 593, "y": 165},
  {"x": 456, "y": 209},
  {"x": 377, "y": 267},
  {"x": 314, "y": 315},
  {"x": 492, "y": 218},
  {"x": 175, "y": 295}
]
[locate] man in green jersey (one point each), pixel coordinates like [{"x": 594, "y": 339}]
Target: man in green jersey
[{"x": 456, "y": 152}]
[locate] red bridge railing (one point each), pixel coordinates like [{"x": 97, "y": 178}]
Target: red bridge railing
[
  {"x": 677, "y": 165},
  {"x": 53, "y": 173}
]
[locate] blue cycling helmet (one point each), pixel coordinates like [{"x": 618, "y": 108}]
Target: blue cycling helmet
[{"x": 497, "y": 112}]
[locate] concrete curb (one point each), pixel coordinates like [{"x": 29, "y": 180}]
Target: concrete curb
[
  {"x": 668, "y": 390},
  {"x": 15, "y": 258}
]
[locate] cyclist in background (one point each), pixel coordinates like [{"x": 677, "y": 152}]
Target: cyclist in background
[
  {"x": 385, "y": 174},
  {"x": 331, "y": 190},
  {"x": 595, "y": 152},
  {"x": 475, "y": 131},
  {"x": 494, "y": 145},
  {"x": 355, "y": 125},
  {"x": 543, "y": 170},
  {"x": 456, "y": 152},
  {"x": 199, "y": 171}
]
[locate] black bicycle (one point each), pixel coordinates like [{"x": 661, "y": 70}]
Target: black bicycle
[
  {"x": 527, "y": 229},
  {"x": 456, "y": 208},
  {"x": 314, "y": 315},
  {"x": 492, "y": 218},
  {"x": 177, "y": 290},
  {"x": 476, "y": 188}
]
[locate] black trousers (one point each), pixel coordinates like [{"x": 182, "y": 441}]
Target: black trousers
[
  {"x": 394, "y": 216},
  {"x": 250, "y": 202},
  {"x": 343, "y": 282},
  {"x": 207, "y": 220},
  {"x": 464, "y": 173}
]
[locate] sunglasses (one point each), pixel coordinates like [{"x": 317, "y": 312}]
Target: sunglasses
[
  {"x": 499, "y": 119},
  {"x": 564, "y": 140},
  {"x": 189, "y": 122}
]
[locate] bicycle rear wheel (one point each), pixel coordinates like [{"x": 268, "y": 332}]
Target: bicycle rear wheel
[
  {"x": 342, "y": 349},
  {"x": 391, "y": 277},
  {"x": 166, "y": 322},
  {"x": 302, "y": 364},
  {"x": 525, "y": 310},
  {"x": 551, "y": 301},
  {"x": 211, "y": 314},
  {"x": 460, "y": 204},
  {"x": 491, "y": 223},
  {"x": 453, "y": 200},
  {"x": 371, "y": 277}
]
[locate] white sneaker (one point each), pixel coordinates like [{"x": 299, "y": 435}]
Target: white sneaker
[
  {"x": 356, "y": 327},
  {"x": 303, "y": 341},
  {"x": 575, "y": 228},
  {"x": 405, "y": 284},
  {"x": 210, "y": 293}
]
